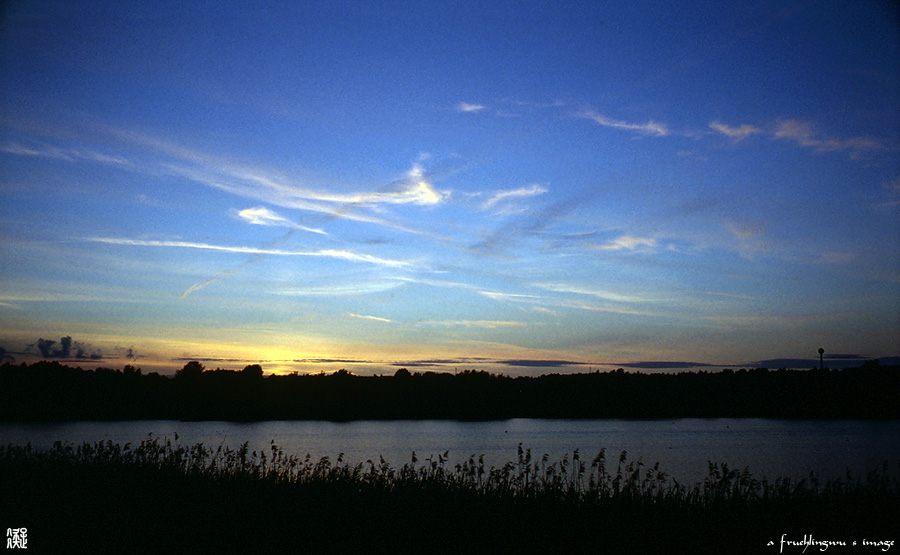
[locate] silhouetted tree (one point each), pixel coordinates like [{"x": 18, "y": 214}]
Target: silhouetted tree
[
  {"x": 252, "y": 371},
  {"x": 68, "y": 393},
  {"x": 131, "y": 370},
  {"x": 192, "y": 369}
]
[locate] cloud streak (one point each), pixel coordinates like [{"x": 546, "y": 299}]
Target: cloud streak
[
  {"x": 265, "y": 217},
  {"x": 56, "y": 153},
  {"x": 499, "y": 296},
  {"x": 521, "y": 192},
  {"x": 466, "y": 107},
  {"x": 367, "y": 317},
  {"x": 629, "y": 243},
  {"x": 598, "y": 293},
  {"x": 256, "y": 185},
  {"x": 738, "y": 133},
  {"x": 651, "y": 128},
  {"x": 486, "y": 324},
  {"x": 339, "y": 290},
  {"x": 415, "y": 188},
  {"x": 350, "y": 256},
  {"x": 805, "y": 134},
  {"x": 541, "y": 303}
]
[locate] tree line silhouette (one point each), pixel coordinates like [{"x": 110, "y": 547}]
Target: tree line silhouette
[{"x": 50, "y": 391}]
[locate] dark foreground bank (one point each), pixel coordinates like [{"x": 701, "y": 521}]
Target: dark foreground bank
[
  {"x": 49, "y": 391},
  {"x": 159, "y": 497}
]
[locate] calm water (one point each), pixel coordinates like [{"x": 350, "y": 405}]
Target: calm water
[{"x": 769, "y": 448}]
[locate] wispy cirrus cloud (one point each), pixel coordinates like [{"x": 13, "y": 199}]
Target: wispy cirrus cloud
[
  {"x": 738, "y": 133},
  {"x": 486, "y": 324},
  {"x": 272, "y": 195},
  {"x": 530, "y": 225},
  {"x": 560, "y": 287},
  {"x": 57, "y": 153},
  {"x": 265, "y": 217},
  {"x": 352, "y": 256},
  {"x": 598, "y": 241},
  {"x": 805, "y": 134},
  {"x": 467, "y": 107},
  {"x": 415, "y": 188},
  {"x": 495, "y": 295},
  {"x": 347, "y": 255},
  {"x": 629, "y": 243},
  {"x": 521, "y": 192},
  {"x": 508, "y": 107},
  {"x": 500, "y": 296},
  {"x": 367, "y": 317},
  {"x": 531, "y": 104},
  {"x": 259, "y": 186},
  {"x": 744, "y": 230},
  {"x": 592, "y": 307},
  {"x": 650, "y": 128},
  {"x": 542, "y": 304},
  {"x": 436, "y": 282},
  {"x": 339, "y": 289}
]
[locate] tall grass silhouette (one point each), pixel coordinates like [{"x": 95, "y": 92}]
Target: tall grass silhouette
[{"x": 219, "y": 498}]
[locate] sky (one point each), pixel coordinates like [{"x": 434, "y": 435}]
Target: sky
[{"x": 517, "y": 187}]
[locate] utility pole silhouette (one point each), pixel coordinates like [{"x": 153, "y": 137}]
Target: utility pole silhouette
[{"x": 821, "y": 358}]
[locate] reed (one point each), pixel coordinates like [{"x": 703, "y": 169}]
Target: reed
[{"x": 532, "y": 501}]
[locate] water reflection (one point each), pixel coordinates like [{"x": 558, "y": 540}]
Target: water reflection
[{"x": 682, "y": 447}]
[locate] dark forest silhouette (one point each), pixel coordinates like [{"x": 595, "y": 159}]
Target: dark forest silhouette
[{"x": 50, "y": 391}]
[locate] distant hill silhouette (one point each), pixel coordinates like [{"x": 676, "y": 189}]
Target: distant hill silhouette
[{"x": 50, "y": 391}]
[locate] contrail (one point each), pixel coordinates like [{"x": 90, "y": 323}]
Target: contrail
[
  {"x": 216, "y": 278},
  {"x": 249, "y": 262}
]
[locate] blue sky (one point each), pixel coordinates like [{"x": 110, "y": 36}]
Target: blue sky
[{"x": 518, "y": 187}]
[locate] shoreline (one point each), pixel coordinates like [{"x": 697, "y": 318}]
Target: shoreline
[{"x": 51, "y": 392}]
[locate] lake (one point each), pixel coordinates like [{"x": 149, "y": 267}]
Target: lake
[{"x": 771, "y": 448}]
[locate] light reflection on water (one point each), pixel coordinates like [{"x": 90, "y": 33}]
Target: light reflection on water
[{"x": 771, "y": 448}]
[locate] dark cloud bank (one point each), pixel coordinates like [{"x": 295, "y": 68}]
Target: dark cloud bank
[{"x": 65, "y": 349}]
